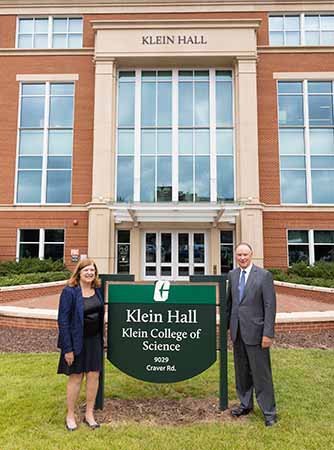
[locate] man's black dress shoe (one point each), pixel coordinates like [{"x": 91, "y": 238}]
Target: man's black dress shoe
[
  {"x": 92, "y": 426},
  {"x": 237, "y": 412},
  {"x": 270, "y": 422}
]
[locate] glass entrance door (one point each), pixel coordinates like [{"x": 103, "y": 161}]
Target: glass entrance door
[{"x": 174, "y": 255}]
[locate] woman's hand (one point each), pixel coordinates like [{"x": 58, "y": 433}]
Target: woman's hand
[{"x": 69, "y": 358}]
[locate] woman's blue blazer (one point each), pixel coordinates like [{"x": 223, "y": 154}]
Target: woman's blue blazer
[{"x": 71, "y": 319}]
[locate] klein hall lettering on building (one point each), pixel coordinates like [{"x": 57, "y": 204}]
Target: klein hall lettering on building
[{"x": 179, "y": 40}]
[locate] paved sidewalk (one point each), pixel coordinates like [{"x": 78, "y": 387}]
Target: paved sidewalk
[{"x": 285, "y": 304}]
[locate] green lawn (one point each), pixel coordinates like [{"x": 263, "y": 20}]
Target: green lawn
[{"x": 32, "y": 408}]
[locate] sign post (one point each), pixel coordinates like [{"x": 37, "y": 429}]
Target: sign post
[
  {"x": 99, "y": 402},
  {"x": 223, "y": 385},
  {"x": 162, "y": 333}
]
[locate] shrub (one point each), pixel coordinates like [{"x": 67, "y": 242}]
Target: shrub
[
  {"x": 32, "y": 278},
  {"x": 321, "y": 274},
  {"x": 31, "y": 265}
]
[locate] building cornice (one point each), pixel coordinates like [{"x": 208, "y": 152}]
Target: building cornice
[
  {"x": 174, "y": 24},
  {"x": 158, "y": 6}
]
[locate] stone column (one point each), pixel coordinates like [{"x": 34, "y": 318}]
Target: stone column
[
  {"x": 247, "y": 161},
  {"x": 135, "y": 252},
  {"x": 214, "y": 261},
  {"x": 101, "y": 228}
]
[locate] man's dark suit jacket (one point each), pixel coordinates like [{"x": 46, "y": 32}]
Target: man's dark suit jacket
[
  {"x": 71, "y": 319},
  {"x": 255, "y": 315}
]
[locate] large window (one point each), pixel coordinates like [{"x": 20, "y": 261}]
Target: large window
[
  {"x": 310, "y": 246},
  {"x": 49, "y": 32},
  {"x": 175, "y": 136},
  {"x": 306, "y": 141},
  {"x": 301, "y": 29},
  {"x": 40, "y": 243},
  {"x": 44, "y": 164}
]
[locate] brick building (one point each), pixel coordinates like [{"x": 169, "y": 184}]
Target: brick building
[{"x": 153, "y": 136}]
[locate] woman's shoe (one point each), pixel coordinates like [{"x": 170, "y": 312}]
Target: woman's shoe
[
  {"x": 92, "y": 426},
  {"x": 70, "y": 428}
]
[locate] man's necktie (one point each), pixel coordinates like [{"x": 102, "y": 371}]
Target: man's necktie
[{"x": 242, "y": 283}]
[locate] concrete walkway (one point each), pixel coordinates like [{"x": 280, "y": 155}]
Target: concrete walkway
[{"x": 289, "y": 309}]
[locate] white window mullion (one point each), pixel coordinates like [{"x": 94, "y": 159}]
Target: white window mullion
[
  {"x": 18, "y": 240},
  {"x": 302, "y": 29},
  {"x": 136, "y": 195},
  {"x": 213, "y": 153},
  {"x": 41, "y": 243},
  {"x": 191, "y": 253},
  {"x": 156, "y": 131},
  {"x": 45, "y": 142},
  {"x": 50, "y": 31},
  {"x": 307, "y": 144},
  {"x": 311, "y": 246},
  {"x": 175, "y": 255},
  {"x": 175, "y": 140}
]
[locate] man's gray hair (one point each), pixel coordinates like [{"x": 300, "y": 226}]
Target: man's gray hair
[{"x": 244, "y": 243}]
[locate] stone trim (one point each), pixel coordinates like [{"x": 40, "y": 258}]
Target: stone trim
[
  {"x": 47, "y": 77},
  {"x": 159, "y": 6}
]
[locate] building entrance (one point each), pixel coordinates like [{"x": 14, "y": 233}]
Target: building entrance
[{"x": 174, "y": 255}]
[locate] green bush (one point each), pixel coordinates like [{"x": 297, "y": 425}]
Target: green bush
[
  {"x": 320, "y": 269},
  {"x": 321, "y": 274},
  {"x": 31, "y": 265},
  {"x": 32, "y": 278}
]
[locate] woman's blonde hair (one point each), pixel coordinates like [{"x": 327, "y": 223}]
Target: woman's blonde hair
[{"x": 75, "y": 277}]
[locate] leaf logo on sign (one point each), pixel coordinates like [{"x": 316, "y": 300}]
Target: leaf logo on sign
[{"x": 161, "y": 291}]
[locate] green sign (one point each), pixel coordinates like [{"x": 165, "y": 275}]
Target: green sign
[{"x": 160, "y": 332}]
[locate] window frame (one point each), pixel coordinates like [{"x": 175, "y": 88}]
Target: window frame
[
  {"x": 310, "y": 244},
  {"x": 50, "y": 32},
  {"x": 175, "y": 264},
  {"x": 307, "y": 128},
  {"x": 45, "y": 130},
  {"x": 41, "y": 243},
  {"x": 175, "y": 129},
  {"x": 232, "y": 245},
  {"x": 302, "y": 29}
]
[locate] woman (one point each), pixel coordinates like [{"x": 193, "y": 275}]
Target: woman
[{"x": 80, "y": 323}]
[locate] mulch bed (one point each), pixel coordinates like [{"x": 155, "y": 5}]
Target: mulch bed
[
  {"x": 153, "y": 411},
  {"x": 40, "y": 341}
]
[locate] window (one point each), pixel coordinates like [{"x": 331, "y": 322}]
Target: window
[
  {"x": 310, "y": 246},
  {"x": 301, "y": 29},
  {"x": 175, "y": 136},
  {"x": 174, "y": 255},
  {"x": 41, "y": 243},
  {"x": 123, "y": 251},
  {"x": 306, "y": 141},
  {"x": 226, "y": 251},
  {"x": 44, "y": 165},
  {"x": 49, "y": 32}
]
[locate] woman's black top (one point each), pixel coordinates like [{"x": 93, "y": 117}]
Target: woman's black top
[{"x": 92, "y": 311}]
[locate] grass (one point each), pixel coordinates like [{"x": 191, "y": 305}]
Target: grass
[{"x": 32, "y": 408}]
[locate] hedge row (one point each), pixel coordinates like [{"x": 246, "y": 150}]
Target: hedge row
[
  {"x": 321, "y": 274},
  {"x": 32, "y": 278},
  {"x": 30, "y": 265}
]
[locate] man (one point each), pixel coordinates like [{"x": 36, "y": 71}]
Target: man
[{"x": 251, "y": 310}]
